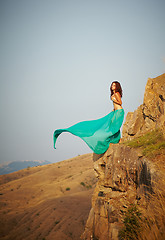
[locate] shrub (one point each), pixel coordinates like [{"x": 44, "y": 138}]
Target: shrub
[
  {"x": 132, "y": 224},
  {"x": 57, "y": 222},
  {"x": 83, "y": 184},
  {"x": 153, "y": 224}
]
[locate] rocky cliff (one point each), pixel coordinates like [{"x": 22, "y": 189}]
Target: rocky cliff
[
  {"x": 149, "y": 115},
  {"x": 125, "y": 175}
]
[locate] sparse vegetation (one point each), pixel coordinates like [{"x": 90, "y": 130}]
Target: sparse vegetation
[
  {"x": 154, "y": 214},
  {"x": 57, "y": 222},
  {"x": 87, "y": 186},
  {"x": 70, "y": 234},
  {"x": 147, "y": 222},
  {"x": 83, "y": 184},
  {"x": 132, "y": 224},
  {"x": 46, "y": 196},
  {"x": 152, "y": 224},
  {"x": 152, "y": 143}
]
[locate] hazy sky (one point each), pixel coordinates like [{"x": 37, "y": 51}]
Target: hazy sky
[{"x": 58, "y": 59}]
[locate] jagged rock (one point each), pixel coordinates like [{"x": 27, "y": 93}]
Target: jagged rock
[
  {"x": 124, "y": 177},
  {"x": 149, "y": 115}
]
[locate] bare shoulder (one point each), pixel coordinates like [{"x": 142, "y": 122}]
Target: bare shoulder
[{"x": 118, "y": 94}]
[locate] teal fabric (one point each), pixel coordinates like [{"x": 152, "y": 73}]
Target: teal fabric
[{"x": 98, "y": 134}]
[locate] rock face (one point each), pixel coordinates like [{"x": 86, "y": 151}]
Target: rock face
[
  {"x": 124, "y": 175},
  {"x": 149, "y": 115}
]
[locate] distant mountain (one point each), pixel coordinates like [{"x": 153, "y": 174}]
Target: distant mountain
[{"x": 19, "y": 165}]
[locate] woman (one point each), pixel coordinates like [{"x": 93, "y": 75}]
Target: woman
[
  {"x": 98, "y": 134},
  {"x": 116, "y": 95}
]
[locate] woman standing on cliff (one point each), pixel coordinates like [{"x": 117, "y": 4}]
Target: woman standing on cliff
[
  {"x": 116, "y": 95},
  {"x": 98, "y": 134}
]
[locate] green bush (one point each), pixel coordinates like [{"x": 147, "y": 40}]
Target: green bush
[
  {"x": 132, "y": 224},
  {"x": 88, "y": 186},
  {"x": 83, "y": 184},
  {"x": 57, "y": 222}
]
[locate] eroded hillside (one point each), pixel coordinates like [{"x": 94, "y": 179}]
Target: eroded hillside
[{"x": 47, "y": 202}]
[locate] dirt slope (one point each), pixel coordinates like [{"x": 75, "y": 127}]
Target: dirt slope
[{"x": 47, "y": 202}]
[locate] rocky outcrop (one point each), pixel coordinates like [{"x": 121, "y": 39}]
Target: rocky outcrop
[
  {"x": 149, "y": 115},
  {"x": 124, "y": 175}
]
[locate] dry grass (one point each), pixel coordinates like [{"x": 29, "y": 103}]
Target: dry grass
[
  {"x": 153, "y": 224},
  {"x": 47, "y": 202},
  {"x": 146, "y": 221},
  {"x": 151, "y": 143}
]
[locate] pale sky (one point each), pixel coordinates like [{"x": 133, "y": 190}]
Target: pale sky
[{"x": 58, "y": 59}]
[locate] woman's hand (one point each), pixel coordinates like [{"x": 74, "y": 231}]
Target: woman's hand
[
  {"x": 116, "y": 98},
  {"x": 113, "y": 97}
]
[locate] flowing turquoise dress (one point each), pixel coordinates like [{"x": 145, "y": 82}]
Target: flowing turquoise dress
[{"x": 99, "y": 133}]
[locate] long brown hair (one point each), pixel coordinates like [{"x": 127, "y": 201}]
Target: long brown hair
[{"x": 118, "y": 88}]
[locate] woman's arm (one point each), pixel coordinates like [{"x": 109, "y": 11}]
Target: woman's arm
[{"x": 116, "y": 98}]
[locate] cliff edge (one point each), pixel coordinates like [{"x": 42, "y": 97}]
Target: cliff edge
[
  {"x": 125, "y": 174},
  {"x": 149, "y": 115}
]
